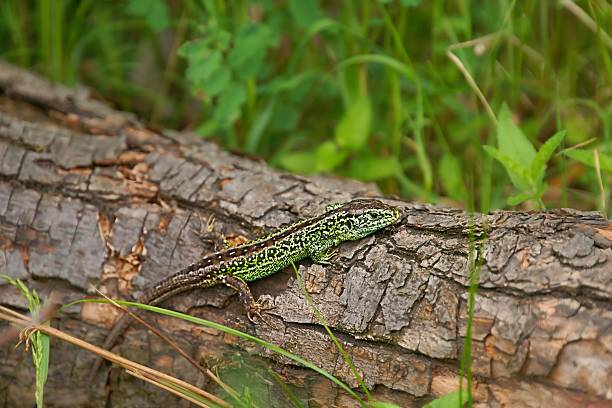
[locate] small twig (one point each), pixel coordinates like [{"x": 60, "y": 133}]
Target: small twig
[
  {"x": 484, "y": 41},
  {"x": 577, "y": 146},
  {"x": 46, "y": 312}
]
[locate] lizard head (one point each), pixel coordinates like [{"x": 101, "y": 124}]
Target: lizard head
[{"x": 362, "y": 217}]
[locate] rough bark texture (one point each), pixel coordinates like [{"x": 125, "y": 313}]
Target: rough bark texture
[{"x": 91, "y": 197}]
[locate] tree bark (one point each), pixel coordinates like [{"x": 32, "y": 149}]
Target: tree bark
[{"x": 90, "y": 197}]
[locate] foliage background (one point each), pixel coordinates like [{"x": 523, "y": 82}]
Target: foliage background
[{"x": 405, "y": 93}]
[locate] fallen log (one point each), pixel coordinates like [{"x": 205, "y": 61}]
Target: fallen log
[{"x": 91, "y": 197}]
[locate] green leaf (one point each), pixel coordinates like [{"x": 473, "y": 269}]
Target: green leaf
[
  {"x": 155, "y": 12},
  {"x": 248, "y": 54},
  {"x": 40, "y": 355},
  {"x": 538, "y": 165},
  {"x": 587, "y": 157},
  {"x": 208, "y": 128},
  {"x": 511, "y": 141},
  {"x": 230, "y": 104},
  {"x": 451, "y": 178},
  {"x": 353, "y": 129},
  {"x": 202, "y": 64},
  {"x": 453, "y": 399},
  {"x": 218, "y": 82},
  {"x": 215, "y": 37},
  {"x": 299, "y": 162},
  {"x": 373, "y": 168},
  {"x": 193, "y": 49},
  {"x": 329, "y": 156},
  {"x": 518, "y": 174},
  {"x": 305, "y": 12}
]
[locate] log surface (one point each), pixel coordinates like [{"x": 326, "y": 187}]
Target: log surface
[{"x": 91, "y": 197}]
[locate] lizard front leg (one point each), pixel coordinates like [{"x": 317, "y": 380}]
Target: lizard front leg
[{"x": 323, "y": 253}]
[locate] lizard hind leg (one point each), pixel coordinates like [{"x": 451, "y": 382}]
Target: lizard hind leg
[{"x": 253, "y": 307}]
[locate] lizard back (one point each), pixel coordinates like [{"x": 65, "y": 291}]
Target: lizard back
[{"x": 265, "y": 256}]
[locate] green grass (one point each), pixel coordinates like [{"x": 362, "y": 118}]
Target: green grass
[
  {"x": 38, "y": 342},
  {"x": 404, "y": 93},
  {"x": 244, "y": 399}
]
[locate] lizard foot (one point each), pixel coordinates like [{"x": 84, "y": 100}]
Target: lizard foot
[{"x": 259, "y": 308}]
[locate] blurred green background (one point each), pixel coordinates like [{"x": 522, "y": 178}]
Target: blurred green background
[{"x": 404, "y": 93}]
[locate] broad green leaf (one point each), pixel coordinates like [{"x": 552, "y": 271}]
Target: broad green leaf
[
  {"x": 453, "y": 399},
  {"x": 202, "y": 66},
  {"x": 230, "y": 104},
  {"x": 511, "y": 141},
  {"x": 373, "y": 168},
  {"x": 587, "y": 157},
  {"x": 155, "y": 12},
  {"x": 353, "y": 129},
  {"x": 208, "y": 128},
  {"x": 538, "y": 166},
  {"x": 299, "y": 162},
  {"x": 214, "y": 37},
  {"x": 218, "y": 38},
  {"x": 217, "y": 82},
  {"x": 193, "y": 49},
  {"x": 251, "y": 44},
  {"x": 519, "y": 175},
  {"x": 451, "y": 178},
  {"x": 305, "y": 12},
  {"x": 329, "y": 156}
]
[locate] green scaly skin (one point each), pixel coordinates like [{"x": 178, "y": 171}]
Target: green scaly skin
[{"x": 314, "y": 237}]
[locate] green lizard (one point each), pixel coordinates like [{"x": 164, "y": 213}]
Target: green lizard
[{"x": 314, "y": 237}]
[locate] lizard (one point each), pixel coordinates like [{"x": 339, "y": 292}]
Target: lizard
[{"x": 313, "y": 237}]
